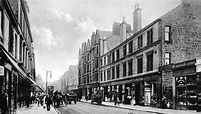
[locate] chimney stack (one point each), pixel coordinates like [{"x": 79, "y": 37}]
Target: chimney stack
[{"x": 137, "y": 19}]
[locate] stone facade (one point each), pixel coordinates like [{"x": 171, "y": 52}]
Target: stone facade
[{"x": 175, "y": 38}]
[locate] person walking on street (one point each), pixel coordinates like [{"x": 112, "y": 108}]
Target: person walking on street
[
  {"x": 116, "y": 98},
  {"x": 48, "y": 102}
]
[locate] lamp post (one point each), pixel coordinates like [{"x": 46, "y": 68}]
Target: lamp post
[{"x": 47, "y": 80}]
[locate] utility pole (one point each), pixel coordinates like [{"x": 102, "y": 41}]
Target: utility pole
[{"x": 47, "y": 80}]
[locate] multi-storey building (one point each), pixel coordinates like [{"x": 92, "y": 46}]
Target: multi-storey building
[
  {"x": 88, "y": 66},
  {"x": 69, "y": 80},
  {"x": 17, "y": 59},
  {"x": 134, "y": 65}
]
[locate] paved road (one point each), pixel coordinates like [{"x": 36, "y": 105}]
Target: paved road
[{"x": 86, "y": 108}]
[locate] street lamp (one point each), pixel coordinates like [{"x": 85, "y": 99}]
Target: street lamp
[{"x": 47, "y": 79}]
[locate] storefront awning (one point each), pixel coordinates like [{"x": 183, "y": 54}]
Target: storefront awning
[{"x": 23, "y": 74}]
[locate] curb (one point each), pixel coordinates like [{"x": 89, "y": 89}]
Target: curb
[
  {"x": 57, "y": 110},
  {"x": 125, "y": 108}
]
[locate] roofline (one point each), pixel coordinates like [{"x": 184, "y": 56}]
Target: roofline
[{"x": 134, "y": 35}]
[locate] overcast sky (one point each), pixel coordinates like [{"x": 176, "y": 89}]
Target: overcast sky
[{"x": 59, "y": 27}]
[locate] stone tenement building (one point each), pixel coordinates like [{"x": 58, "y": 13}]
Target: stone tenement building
[
  {"x": 69, "y": 80},
  {"x": 133, "y": 63},
  {"x": 17, "y": 61}
]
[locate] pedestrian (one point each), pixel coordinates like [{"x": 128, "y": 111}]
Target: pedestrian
[
  {"x": 48, "y": 102},
  {"x": 164, "y": 101},
  {"x": 115, "y": 97},
  {"x": 41, "y": 100},
  {"x": 27, "y": 100},
  {"x": 3, "y": 103}
]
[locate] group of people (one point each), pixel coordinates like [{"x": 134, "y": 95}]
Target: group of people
[
  {"x": 44, "y": 100},
  {"x": 56, "y": 99}
]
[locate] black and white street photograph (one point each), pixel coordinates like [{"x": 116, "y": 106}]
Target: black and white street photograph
[{"x": 100, "y": 56}]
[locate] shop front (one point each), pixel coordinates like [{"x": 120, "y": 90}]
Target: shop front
[
  {"x": 185, "y": 84},
  {"x": 14, "y": 82},
  {"x": 139, "y": 90}
]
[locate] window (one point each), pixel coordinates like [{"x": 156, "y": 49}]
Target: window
[
  {"x": 117, "y": 71},
  {"x": 109, "y": 59},
  {"x": 101, "y": 76},
  {"x": 11, "y": 39},
  {"x": 16, "y": 46},
  {"x": 113, "y": 56},
  {"x": 150, "y": 61},
  {"x": 139, "y": 64},
  {"x": 104, "y": 75},
  {"x": 130, "y": 47},
  {"x": 140, "y": 39},
  {"x": 124, "y": 69},
  {"x": 101, "y": 62},
  {"x": 104, "y": 60},
  {"x": 124, "y": 50},
  {"x": 96, "y": 76},
  {"x": 117, "y": 53},
  {"x": 130, "y": 67},
  {"x": 113, "y": 72},
  {"x": 167, "y": 33},
  {"x": 1, "y": 24},
  {"x": 97, "y": 50},
  {"x": 149, "y": 36},
  {"x": 108, "y": 74},
  {"x": 167, "y": 58},
  {"x": 96, "y": 63}
]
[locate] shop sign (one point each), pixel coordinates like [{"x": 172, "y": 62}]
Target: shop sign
[
  {"x": 1, "y": 71},
  {"x": 181, "y": 81}
]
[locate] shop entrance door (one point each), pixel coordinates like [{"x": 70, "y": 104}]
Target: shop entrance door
[
  {"x": 120, "y": 92},
  {"x": 137, "y": 93}
]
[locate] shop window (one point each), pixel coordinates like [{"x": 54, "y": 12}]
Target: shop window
[
  {"x": 149, "y": 36},
  {"x": 167, "y": 58},
  {"x": 186, "y": 92},
  {"x": 124, "y": 50},
  {"x": 130, "y": 45},
  {"x": 124, "y": 69},
  {"x": 150, "y": 61},
  {"x": 167, "y": 33},
  {"x": 117, "y": 54},
  {"x": 139, "y": 64},
  {"x": 130, "y": 67},
  {"x": 117, "y": 71},
  {"x": 140, "y": 41}
]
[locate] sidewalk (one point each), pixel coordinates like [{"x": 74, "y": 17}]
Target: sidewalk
[
  {"x": 35, "y": 109},
  {"x": 147, "y": 108}
]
